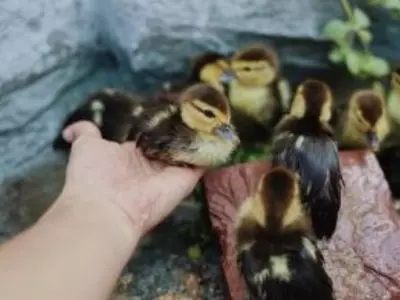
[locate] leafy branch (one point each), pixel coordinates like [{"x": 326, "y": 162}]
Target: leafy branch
[
  {"x": 352, "y": 39},
  {"x": 393, "y": 6}
]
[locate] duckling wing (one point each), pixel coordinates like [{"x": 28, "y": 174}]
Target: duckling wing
[
  {"x": 249, "y": 268},
  {"x": 316, "y": 161}
]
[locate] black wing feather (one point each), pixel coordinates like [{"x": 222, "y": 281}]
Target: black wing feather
[{"x": 316, "y": 160}]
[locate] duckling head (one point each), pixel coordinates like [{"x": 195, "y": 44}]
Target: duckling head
[
  {"x": 205, "y": 110},
  {"x": 210, "y": 67},
  {"x": 313, "y": 99},
  {"x": 255, "y": 66},
  {"x": 366, "y": 108},
  {"x": 396, "y": 79}
]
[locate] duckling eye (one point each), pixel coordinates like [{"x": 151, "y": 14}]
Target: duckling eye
[
  {"x": 247, "y": 69},
  {"x": 209, "y": 114}
]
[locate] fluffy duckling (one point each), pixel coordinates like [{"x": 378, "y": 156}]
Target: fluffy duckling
[
  {"x": 257, "y": 93},
  {"x": 303, "y": 142},
  {"x": 193, "y": 130},
  {"x": 393, "y": 113},
  {"x": 209, "y": 67},
  {"x": 389, "y": 154},
  {"x": 277, "y": 254},
  {"x": 109, "y": 109},
  {"x": 364, "y": 124}
]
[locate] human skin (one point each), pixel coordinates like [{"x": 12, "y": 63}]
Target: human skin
[{"x": 112, "y": 196}]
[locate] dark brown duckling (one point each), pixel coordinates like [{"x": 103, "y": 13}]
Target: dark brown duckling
[
  {"x": 277, "y": 253},
  {"x": 304, "y": 143},
  {"x": 111, "y": 111}
]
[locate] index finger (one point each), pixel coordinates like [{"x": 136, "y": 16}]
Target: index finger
[{"x": 80, "y": 129}]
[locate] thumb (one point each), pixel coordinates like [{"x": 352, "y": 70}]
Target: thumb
[{"x": 80, "y": 129}]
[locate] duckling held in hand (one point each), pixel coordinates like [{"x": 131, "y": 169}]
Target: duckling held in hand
[
  {"x": 109, "y": 109},
  {"x": 304, "y": 143},
  {"x": 364, "y": 125},
  {"x": 194, "y": 130},
  {"x": 276, "y": 251},
  {"x": 257, "y": 93}
]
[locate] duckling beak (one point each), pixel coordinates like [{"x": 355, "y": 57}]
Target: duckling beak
[
  {"x": 227, "y": 132},
  {"x": 373, "y": 140},
  {"x": 227, "y": 76}
]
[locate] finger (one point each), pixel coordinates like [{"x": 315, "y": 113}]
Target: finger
[{"x": 79, "y": 129}]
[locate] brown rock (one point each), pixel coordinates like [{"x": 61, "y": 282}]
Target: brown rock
[{"x": 363, "y": 256}]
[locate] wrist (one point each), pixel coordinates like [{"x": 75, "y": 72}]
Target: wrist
[{"x": 98, "y": 218}]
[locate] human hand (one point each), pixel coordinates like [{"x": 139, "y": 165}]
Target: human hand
[{"x": 108, "y": 172}]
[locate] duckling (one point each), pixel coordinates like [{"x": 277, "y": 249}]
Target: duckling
[
  {"x": 209, "y": 67},
  {"x": 364, "y": 124},
  {"x": 396, "y": 79},
  {"x": 389, "y": 153},
  {"x": 257, "y": 93},
  {"x": 304, "y": 142},
  {"x": 276, "y": 252},
  {"x": 193, "y": 130},
  {"x": 109, "y": 109},
  {"x": 393, "y": 113}
]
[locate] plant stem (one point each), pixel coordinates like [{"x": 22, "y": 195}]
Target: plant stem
[{"x": 347, "y": 8}]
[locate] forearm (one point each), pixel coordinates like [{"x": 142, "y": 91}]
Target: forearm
[{"x": 73, "y": 252}]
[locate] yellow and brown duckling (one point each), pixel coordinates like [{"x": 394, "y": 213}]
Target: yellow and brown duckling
[
  {"x": 276, "y": 251},
  {"x": 109, "y": 109},
  {"x": 304, "y": 142},
  {"x": 257, "y": 94},
  {"x": 389, "y": 154},
  {"x": 364, "y": 124},
  {"x": 194, "y": 130},
  {"x": 209, "y": 67},
  {"x": 393, "y": 113}
]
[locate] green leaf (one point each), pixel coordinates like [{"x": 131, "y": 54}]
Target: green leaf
[
  {"x": 336, "y": 30},
  {"x": 365, "y": 36},
  {"x": 353, "y": 62},
  {"x": 360, "y": 19},
  {"x": 376, "y": 66},
  {"x": 336, "y": 55},
  {"x": 194, "y": 252}
]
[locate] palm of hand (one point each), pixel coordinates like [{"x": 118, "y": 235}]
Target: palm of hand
[{"x": 146, "y": 190}]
